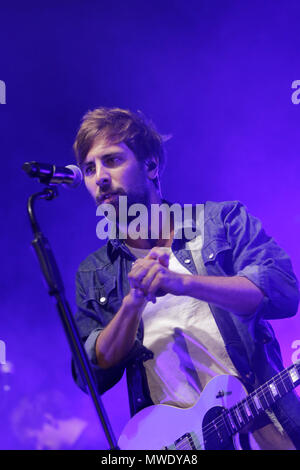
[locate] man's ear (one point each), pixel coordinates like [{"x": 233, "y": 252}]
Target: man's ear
[{"x": 152, "y": 168}]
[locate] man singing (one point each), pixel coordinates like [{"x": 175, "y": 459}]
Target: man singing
[{"x": 178, "y": 310}]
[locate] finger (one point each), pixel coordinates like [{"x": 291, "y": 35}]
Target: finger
[
  {"x": 157, "y": 286},
  {"x": 133, "y": 283},
  {"x": 159, "y": 254},
  {"x": 153, "y": 254},
  {"x": 139, "y": 271},
  {"x": 137, "y": 297},
  {"x": 135, "y": 275},
  {"x": 148, "y": 279},
  {"x": 164, "y": 259},
  {"x": 156, "y": 252}
]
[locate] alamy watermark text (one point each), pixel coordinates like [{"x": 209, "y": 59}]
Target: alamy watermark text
[
  {"x": 137, "y": 221},
  {"x": 296, "y": 94},
  {"x": 2, "y": 352},
  {"x": 2, "y": 92}
]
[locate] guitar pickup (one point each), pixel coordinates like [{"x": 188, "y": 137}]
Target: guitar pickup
[{"x": 185, "y": 442}]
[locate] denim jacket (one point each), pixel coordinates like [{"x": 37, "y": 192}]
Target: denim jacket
[{"x": 234, "y": 244}]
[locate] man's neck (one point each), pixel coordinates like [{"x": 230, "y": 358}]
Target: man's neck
[
  {"x": 147, "y": 244},
  {"x": 157, "y": 234}
]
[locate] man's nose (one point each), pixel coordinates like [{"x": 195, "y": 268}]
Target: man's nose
[{"x": 102, "y": 176}]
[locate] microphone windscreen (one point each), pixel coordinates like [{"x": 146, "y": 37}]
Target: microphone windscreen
[{"x": 78, "y": 177}]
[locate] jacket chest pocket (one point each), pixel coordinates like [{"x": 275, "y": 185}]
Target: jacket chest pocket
[
  {"x": 217, "y": 255},
  {"x": 103, "y": 297}
]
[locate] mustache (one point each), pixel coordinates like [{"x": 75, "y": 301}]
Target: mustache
[{"x": 100, "y": 199}]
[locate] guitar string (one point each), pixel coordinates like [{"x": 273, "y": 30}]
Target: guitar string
[
  {"x": 210, "y": 428},
  {"x": 259, "y": 392}
]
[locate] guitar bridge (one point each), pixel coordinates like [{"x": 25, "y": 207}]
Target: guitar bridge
[{"x": 222, "y": 393}]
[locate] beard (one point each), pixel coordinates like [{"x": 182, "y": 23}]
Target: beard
[
  {"x": 116, "y": 207},
  {"x": 135, "y": 196}
]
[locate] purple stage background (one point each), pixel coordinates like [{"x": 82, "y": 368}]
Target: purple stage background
[{"x": 218, "y": 76}]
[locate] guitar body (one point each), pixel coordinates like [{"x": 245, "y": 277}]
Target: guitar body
[{"x": 167, "y": 427}]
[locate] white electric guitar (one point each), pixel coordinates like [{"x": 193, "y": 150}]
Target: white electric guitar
[{"x": 214, "y": 422}]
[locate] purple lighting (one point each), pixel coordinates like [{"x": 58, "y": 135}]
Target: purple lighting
[{"x": 222, "y": 78}]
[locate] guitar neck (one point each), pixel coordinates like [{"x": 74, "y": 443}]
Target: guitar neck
[{"x": 244, "y": 412}]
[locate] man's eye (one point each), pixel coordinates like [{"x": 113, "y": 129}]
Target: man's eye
[
  {"x": 112, "y": 161},
  {"x": 89, "y": 170}
]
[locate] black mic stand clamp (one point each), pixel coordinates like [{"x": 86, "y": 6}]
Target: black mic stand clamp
[{"x": 56, "y": 289}]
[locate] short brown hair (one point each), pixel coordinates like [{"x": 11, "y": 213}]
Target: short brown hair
[{"x": 120, "y": 125}]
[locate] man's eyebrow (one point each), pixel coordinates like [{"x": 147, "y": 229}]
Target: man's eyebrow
[
  {"x": 106, "y": 155},
  {"x": 113, "y": 154}
]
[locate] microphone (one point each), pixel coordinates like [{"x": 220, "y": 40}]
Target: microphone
[{"x": 47, "y": 173}]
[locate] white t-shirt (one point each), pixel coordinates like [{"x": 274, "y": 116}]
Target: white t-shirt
[{"x": 187, "y": 345}]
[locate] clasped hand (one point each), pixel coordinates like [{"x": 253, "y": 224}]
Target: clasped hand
[{"x": 152, "y": 276}]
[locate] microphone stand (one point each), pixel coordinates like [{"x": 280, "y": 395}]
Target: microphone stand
[{"x": 53, "y": 279}]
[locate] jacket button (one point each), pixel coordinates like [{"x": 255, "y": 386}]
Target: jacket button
[
  {"x": 211, "y": 255},
  {"x": 102, "y": 300},
  {"x": 187, "y": 261}
]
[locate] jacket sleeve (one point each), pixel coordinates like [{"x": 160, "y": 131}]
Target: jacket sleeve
[
  {"x": 90, "y": 323},
  {"x": 256, "y": 256}
]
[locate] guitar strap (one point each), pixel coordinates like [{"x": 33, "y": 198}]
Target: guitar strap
[
  {"x": 234, "y": 346},
  {"x": 225, "y": 323}
]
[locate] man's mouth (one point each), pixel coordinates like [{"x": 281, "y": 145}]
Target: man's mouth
[{"x": 108, "y": 197}]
